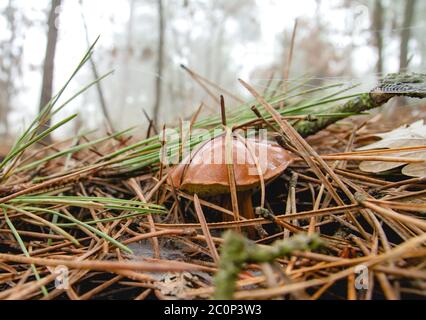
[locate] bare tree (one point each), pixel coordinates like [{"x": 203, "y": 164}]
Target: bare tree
[
  {"x": 406, "y": 33},
  {"x": 49, "y": 60},
  {"x": 10, "y": 62},
  {"x": 129, "y": 51},
  {"x": 160, "y": 61},
  {"x": 6, "y": 70},
  {"x": 377, "y": 26},
  {"x": 95, "y": 72}
]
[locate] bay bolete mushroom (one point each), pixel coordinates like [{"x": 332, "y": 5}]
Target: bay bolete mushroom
[{"x": 205, "y": 170}]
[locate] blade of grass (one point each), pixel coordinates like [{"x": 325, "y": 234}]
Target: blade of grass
[
  {"x": 70, "y": 151},
  {"x": 85, "y": 225},
  {"x": 34, "y": 140},
  {"x": 43, "y": 221},
  {"x": 23, "y": 248}
]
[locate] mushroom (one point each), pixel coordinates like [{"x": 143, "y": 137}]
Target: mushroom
[{"x": 205, "y": 171}]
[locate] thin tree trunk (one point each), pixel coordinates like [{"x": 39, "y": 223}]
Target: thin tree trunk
[
  {"x": 126, "y": 73},
  {"x": 378, "y": 34},
  {"x": 95, "y": 72},
  {"x": 5, "y": 95},
  {"x": 49, "y": 61},
  {"x": 160, "y": 62},
  {"x": 406, "y": 34},
  {"x": 405, "y": 39},
  {"x": 289, "y": 57}
]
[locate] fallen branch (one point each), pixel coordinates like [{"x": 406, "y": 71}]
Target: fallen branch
[{"x": 411, "y": 85}]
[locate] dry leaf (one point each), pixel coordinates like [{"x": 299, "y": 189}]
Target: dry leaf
[
  {"x": 412, "y": 135},
  {"x": 175, "y": 284}
]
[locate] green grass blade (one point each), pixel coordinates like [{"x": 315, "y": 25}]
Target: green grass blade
[
  {"x": 47, "y": 223},
  {"x": 85, "y": 225},
  {"x": 23, "y": 248}
]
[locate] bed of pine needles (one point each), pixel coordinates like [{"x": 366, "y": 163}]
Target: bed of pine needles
[
  {"x": 388, "y": 210},
  {"x": 100, "y": 212}
]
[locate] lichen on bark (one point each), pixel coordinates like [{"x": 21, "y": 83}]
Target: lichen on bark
[{"x": 409, "y": 85}]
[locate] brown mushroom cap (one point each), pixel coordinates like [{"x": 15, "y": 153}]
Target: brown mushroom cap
[{"x": 205, "y": 171}]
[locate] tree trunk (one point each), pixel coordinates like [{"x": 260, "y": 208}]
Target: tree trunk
[
  {"x": 104, "y": 107},
  {"x": 378, "y": 34},
  {"x": 160, "y": 62},
  {"x": 49, "y": 61},
  {"x": 405, "y": 39},
  {"x": 406, "y": 34},
  {"x": 128, "y": 55},
  {"x": 7, "y": 86}
]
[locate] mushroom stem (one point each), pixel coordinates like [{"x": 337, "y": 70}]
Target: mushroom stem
[
  {"x": 245, "y": 204},
  {"x": 245, "y": 207}
]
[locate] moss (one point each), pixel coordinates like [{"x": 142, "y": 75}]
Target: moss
[
  {"x": 238, "y": 250},
  {"x": 409, "y": 85}
]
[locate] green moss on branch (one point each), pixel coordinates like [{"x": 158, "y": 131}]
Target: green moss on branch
[
  {"x": 409, "y": 85},
  {"x": 238, "y": 250}
]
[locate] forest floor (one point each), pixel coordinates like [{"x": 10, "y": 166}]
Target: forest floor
[{"x": 118, "y": 236}]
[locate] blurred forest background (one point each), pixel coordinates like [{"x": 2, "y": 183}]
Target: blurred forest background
[{"x": 145, "y": 42}]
